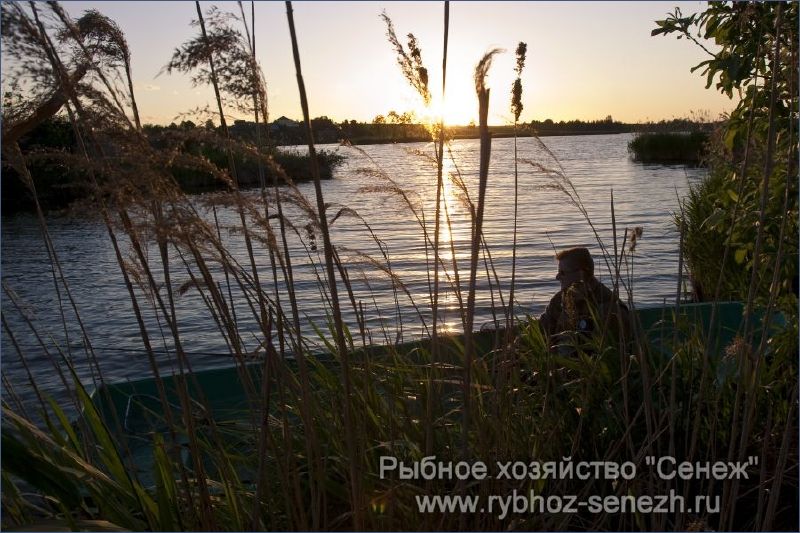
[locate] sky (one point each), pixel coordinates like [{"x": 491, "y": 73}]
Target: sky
[{"x": 586, "y": 60}]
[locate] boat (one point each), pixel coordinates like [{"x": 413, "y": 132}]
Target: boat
[{"x": 134, "y": 409}]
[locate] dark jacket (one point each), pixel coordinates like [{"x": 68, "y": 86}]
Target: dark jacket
[{"x": 587, "y": 308}]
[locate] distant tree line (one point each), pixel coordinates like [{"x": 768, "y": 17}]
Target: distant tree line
[
  {"x": 393, "y": 117},
  {"x": 404, "y": 127},
  {"x": 609, "y": 125}
]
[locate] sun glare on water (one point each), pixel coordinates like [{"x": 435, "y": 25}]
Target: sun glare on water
[{"x": 449, "y": 202}]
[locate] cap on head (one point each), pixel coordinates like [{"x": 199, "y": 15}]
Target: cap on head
[{"x": 577, "y": 258}]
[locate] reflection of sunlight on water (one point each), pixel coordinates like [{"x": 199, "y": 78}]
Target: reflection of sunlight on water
[
  {"x": 449, "y": 327},
  {"x": 449, "y": 205}
]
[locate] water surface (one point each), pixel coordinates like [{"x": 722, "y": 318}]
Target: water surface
[{"x": 645, "y": 196}]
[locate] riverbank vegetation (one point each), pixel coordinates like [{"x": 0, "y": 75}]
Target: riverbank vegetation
[
  {"x": 305, "y": 451},
  {"x": 38, "y": 120},
  {"x": 739, "y": 226},
  {"x": 59, "y": 184},
  {"x": 741, "y": 223}
]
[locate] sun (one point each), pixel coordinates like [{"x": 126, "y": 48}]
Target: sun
[{"x": 458, "y": 109}]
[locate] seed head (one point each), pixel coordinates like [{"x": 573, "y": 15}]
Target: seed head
[
  {"x": 516, "y": 98},
  {"x": 410, "y": 62},
  {"x": 522, "y": 49},
  {"x": 516, "y": 88}
]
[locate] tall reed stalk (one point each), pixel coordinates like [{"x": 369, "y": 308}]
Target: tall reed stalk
[
  {"x": 341, "y": 346},
  {"x": 485, "y": 152},
  {"x": 516, "y": 110},
  {"x": 432, "y": 396}
]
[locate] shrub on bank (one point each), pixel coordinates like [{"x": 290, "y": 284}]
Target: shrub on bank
[
  {"x": 61, "y": 178},
  {"x": 689, "y": 148}
]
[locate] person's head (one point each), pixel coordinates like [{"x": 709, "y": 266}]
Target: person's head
[{"x": 574, "y": 264}]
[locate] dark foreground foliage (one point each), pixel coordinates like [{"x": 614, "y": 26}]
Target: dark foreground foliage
[{"x": 304, "y": 450}]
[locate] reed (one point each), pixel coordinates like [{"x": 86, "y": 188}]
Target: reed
[
  {"x": 302, "y": 448},
  {"x": 516, "y": 110},
  {"x": 341, "y": 346},
  {"x": 432, "y": 394},
  {"x": 485, "y": 151}
]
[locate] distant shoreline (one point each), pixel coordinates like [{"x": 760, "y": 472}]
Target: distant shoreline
[
  {"x": 466, "y": 136},
  {"x": 287, "y": 132}
]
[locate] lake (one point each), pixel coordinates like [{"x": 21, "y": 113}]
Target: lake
[{"x": 645, "y": 196}]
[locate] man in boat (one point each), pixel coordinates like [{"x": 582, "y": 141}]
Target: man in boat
[{"x": 584, "y": 309}]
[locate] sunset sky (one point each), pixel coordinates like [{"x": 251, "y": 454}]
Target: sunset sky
[{"x": 586, "y": 60}]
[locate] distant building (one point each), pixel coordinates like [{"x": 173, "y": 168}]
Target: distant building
[{"x": 283, "y": 122}]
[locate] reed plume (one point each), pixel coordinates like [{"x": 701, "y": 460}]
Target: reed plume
[
  {"x": 410, "y": 61},
  {"x": 516, "y": 88}
]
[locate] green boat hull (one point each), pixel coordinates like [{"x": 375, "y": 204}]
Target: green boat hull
[{"x": 134, "y": 409}]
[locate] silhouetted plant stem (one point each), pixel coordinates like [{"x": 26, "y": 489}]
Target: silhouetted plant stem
[
  {"x": 260, "y": 105},
  {"x": 780, "y": 466},
  {"x": 341, "y": 346},
  {"x": 21, "y": 166},
  {"x": 429, "y": 409},
  {"x": 769, "y": 163},
  {"x": 306, "y": 406},
  {"x": 734, "y": 214},
  {"x": 262, "y": 319},
  {"x": 755, "y": 280},
  {"x": 76, "y": 120},
  {"x": 516, "y": 109},
  {"x": 477, "y": 228},
  {"x": 69, "y": 88},
  {"x": 510, "y": 313},
  {"x": 41, "y": 344},
  {"x": 232, "y": 169}
]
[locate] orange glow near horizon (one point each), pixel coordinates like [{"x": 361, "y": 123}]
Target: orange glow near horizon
[{"x": 608, "y": 65}]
